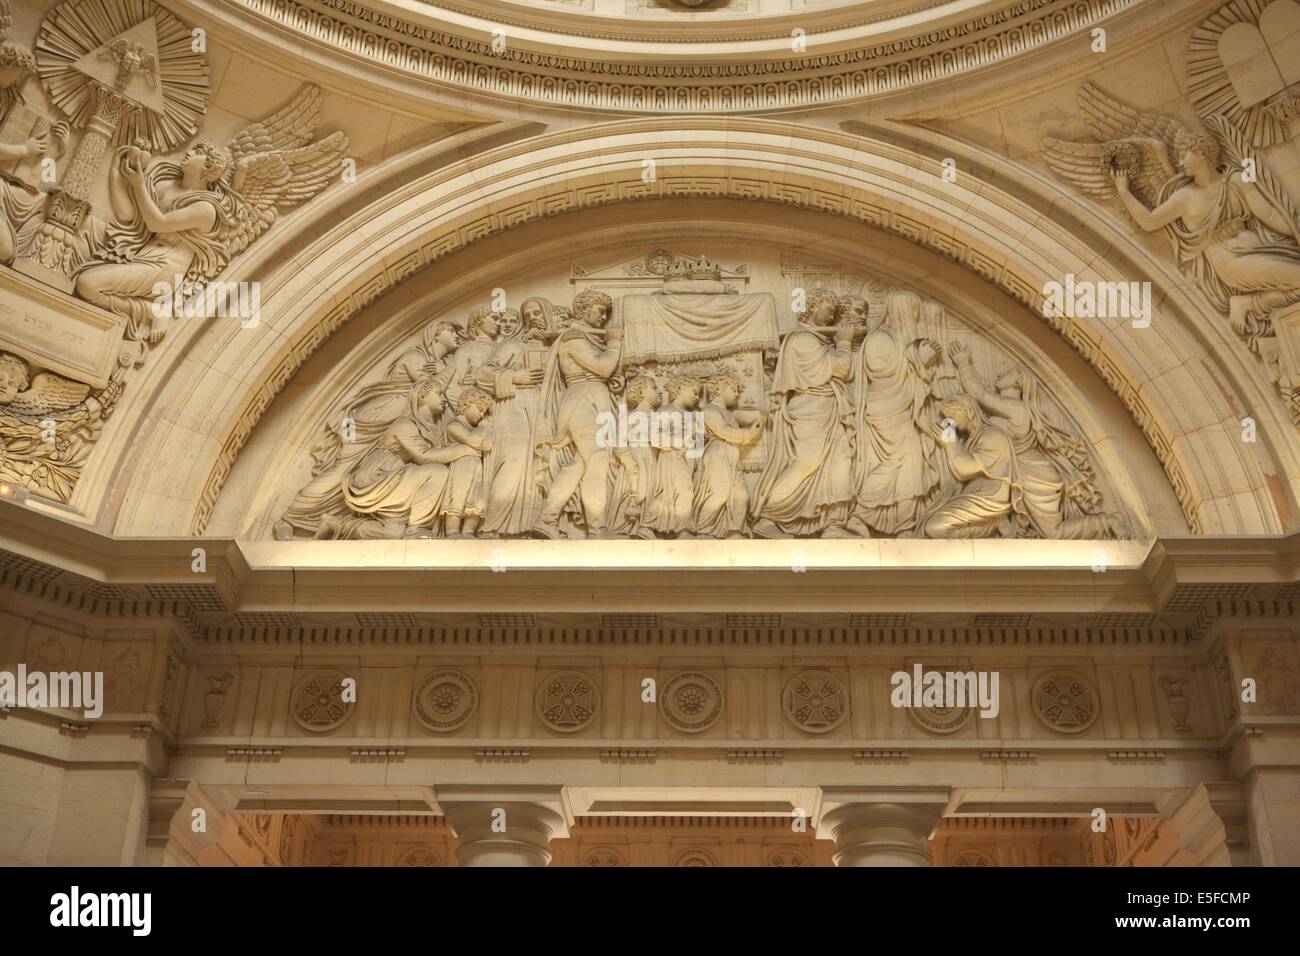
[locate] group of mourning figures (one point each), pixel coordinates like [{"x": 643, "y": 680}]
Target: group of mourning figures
[{"x": 496, "y": 431}]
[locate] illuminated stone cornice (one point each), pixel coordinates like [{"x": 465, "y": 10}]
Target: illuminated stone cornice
[
  {"x": 397, "y": 593},
  {"x": 730, "y": 81}
]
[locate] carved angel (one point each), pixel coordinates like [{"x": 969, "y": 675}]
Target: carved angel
[
  {"x": 49, "y": 424},
  {"x": 183, "y": 222},
  {"x": 1231, "y": 224}
]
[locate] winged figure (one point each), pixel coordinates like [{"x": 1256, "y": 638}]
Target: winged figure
[
  {"x": 1230, "y": 222},
  {"x": 180, "y": 223},
  {"x": 49, "y": 424}
]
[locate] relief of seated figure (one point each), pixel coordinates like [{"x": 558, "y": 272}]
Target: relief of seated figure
[{"x": 397, "y": 489}]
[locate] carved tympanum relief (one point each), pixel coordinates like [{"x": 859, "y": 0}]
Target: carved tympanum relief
[
  {"x": 1230, "y": 222},
  {"x": 127, "y": 81},
  {"x": 680, "y": 404}
]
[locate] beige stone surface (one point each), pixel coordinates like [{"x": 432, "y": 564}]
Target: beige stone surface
[{"x": 332, "y": 651}]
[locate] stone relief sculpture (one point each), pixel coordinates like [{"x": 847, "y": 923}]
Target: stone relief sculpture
[
  {"x": 640, "y": 418},
  {"x": 130, "y": 76},
  {"x": 48, "y": 425},
  {"x": 575, "y": 391},
  {"x": 1243, "y": 62},
  {"x": 721, "y": 497},
  {"x": 808, "y": 487},
  {"x": 898, "y": 471},
  {"x": 24, "y": 137},
  {"x": 1058, "y": 489},
  {"x": 183, "y": 222},
  {"x": 1229, "y": 221},
  {"x": 407, "y": 478}
]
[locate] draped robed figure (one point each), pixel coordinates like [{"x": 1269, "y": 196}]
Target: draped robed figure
[{"x": 807, "y": 487}]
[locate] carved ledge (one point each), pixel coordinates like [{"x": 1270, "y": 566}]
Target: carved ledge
[
  {"x": 57, "y": 332},
  {"x": 562, "y": 79}
]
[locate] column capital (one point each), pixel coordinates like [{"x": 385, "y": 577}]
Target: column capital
[
  {"x": 505, "y": 825},
  {"x": 881, "y": 826}
]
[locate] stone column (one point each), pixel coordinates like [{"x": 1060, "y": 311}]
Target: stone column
[
  {"x": 1228, "y": 799},
  {"x": 881, "y": 826},
  {"x": 505, "y": 826}
]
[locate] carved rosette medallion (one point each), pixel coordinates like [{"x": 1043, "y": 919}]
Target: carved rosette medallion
[
  {"x": 1065, "y": 701},
  {"x": 603, "y": 856},
  {"x": 786, "y": 856},
  {"x": 691, "y": 702},
  {"x": 695, "y": 856},
  {"x": 421, "y": 856},
  {"x": 972, "y": 858},
  {"x": 445, "y": 701},
  {"x": 567, "y": 702},
  {"x": 815, "y": 701},
  {"x": 940, "y": 720},
  {"x": 318, "y": 703}
]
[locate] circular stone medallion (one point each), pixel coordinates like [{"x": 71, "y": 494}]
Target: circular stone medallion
[
  {"x": 318, "y": 703},
  {"x": 1065, "y": 701},
  {"x": 445, "y": 700},
  {"x": 815, "y": 701},
  {"x": 940, "y": 720},
  {"x": 567, "y": 701},
  {"x": 695, "y": 856},
  {"x": 691, "y": 702}
]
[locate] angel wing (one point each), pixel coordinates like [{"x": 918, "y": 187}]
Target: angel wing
[
  {"x": 291, "y": 127},
  {"x": 1139, "y": 144},
  {"x": 6, "y": 18},
  {"x": 150, "y": 65},
  {"x": 277, "y": 165},
  {"x": 49, "y": 393}
]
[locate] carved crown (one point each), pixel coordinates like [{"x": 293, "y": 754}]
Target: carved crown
[{"x": 701, "y": 268}]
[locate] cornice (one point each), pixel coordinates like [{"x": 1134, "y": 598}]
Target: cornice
[
  {"x": 683, "y": 26},
  {"x": 568, "y": 78},
  {"x": 585, "y": 594}
]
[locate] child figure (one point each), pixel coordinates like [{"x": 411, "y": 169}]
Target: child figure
[
  {"x": 721, "y": 498},
  {"x": 466, "y": 495},
  {"x": 674, "y": 495},
  {"x": 635, "y": 484}
]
